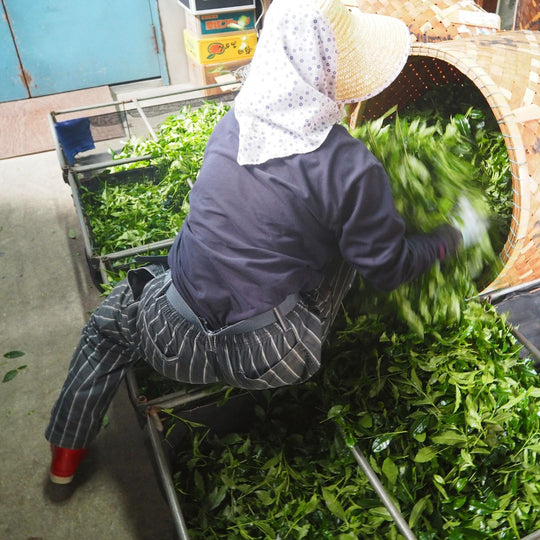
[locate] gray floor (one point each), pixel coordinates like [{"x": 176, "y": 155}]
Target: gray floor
[{"x": 46, "y": 295}]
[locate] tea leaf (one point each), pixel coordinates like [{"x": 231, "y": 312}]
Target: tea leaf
[
  {"x": 390, "y": 470},
  {"x": 10, "y": 375},
  {"x": 14, "y": 354},
  {"x": 427, "y": 453}
]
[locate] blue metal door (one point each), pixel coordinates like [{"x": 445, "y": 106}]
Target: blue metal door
[
  {"x": 12, "y": 85},
  {"x": 68, "y": 45}
]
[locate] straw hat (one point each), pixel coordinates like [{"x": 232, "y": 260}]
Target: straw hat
[
  {"x": 372, "y": 49},
  {"x": 312, "y": 56}
]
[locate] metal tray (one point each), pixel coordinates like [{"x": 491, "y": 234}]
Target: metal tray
[
  {"x": 111, "y": 124},
  {"x": 206, "y": 404}
]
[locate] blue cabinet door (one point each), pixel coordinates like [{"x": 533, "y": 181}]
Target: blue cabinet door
[
  {"x": 12, "y": 85},
  {"x": 68, "y": 45}
]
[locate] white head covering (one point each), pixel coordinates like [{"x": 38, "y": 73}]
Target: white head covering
[{"x": 312, "y": 55}]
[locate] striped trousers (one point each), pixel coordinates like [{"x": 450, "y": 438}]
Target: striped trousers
[{"x": 137, "y": 322}]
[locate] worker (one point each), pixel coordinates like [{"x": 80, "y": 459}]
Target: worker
[{"x": 287, "y": 208}]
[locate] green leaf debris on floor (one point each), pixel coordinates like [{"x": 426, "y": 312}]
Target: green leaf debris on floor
[
  {"x": 12, "y": 373},
  {"x": 14, "y": 354}
]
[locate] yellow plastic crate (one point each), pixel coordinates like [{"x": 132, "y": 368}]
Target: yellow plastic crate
[{"x": 220, "y": 48}]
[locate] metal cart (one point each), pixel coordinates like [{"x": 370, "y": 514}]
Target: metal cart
[
  {"x": 110, "y": 125},
  {"x": 113, "y": 122},
  {"x": 198, "y": 403}
]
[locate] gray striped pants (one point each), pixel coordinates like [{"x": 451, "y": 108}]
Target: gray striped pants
[{"x": 136, "y": 322}]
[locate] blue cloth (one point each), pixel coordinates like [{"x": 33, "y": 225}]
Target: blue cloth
[{"x": 74, "y": 136}]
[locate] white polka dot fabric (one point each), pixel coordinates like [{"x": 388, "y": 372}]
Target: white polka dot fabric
[{"x": 287, "y": 103}]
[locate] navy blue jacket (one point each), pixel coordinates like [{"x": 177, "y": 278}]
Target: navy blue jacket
[{"x": 257, "y": 233}]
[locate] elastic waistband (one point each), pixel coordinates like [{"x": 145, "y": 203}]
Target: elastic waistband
[{"x": 247, "y": 325}]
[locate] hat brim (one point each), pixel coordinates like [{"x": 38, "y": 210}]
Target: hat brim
[{"x": 371, "y": 54}]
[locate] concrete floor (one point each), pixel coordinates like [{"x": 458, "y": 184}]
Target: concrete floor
[{"x": 45, "y": 297}]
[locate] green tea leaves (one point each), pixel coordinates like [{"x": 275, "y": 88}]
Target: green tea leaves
[
  {"x": 452, "y": 464},
  {"x": 333, "y": 504},
  {"x": 381, "y": 443},
  {"x": 430, "y": 387},
  {"x": 417, "y": 511},
  {"x": 14, "y": 354},
  {"x": 425, "y": 454},
  {"x": 390, "y": 470},
  {"x": 12, "y": 373},
  {"x": 449, "y": 438},
  {"x": 142, "y": 202},
  {"x": 430, "y": 168}
]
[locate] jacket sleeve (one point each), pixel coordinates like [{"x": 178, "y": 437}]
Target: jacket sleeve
[{"x": 373, "y": 238}]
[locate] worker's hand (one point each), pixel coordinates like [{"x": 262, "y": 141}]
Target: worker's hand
[
  {"x": 469, "y": 223},
  {"x": 450, "y": 240}
]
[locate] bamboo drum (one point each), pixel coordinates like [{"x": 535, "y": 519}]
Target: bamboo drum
[
  {"x": 437, "y": 20},
  {"x": 505, "y": 67},
  {"x": 528, "y": 15}
]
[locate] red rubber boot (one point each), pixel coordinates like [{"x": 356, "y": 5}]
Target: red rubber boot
[{"x": 64, "y": 463}]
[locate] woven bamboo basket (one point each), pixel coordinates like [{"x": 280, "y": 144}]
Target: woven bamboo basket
[
  {"x": 528, "y": 15},
  {"x": 435, "y": 20},
  {"x": 505, "y": 67}
]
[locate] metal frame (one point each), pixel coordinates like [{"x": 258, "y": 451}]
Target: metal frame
[
  {"x": 183, "y": 398},
  {"x": 500, "y": 293},
  {"x": 99, "y": 263},
  {"x": 149, "y": 410},
  {"x": 154, "y": 428},
  {"x": 166, "y": 480}
]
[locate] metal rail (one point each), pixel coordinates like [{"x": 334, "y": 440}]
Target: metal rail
[
  {"x": 178, "y": 399},
  {"x": 88, "y": 246},
  {"x": 499, "y": 293},
  {"x": 171, "y": 400},
  {"x": 166, "y": 480},
  {"x": 153, "y": 426},
  {"x": 138, "y": 249},
  {"x": 145, "y": 119},
  {"x": 528, "y": 344},
  {"x": 381, "y": 492},
  {"x": 141, "y": 98},
  {"x": 108, "y": 163},
  {"x": 533, "y": 536}
]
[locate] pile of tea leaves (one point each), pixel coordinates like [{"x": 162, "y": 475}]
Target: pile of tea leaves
[
  {"x": 430, "y": 386},
  {"x": 428, "y": 174},
  {"x": 127, "y": 209},
  {"x": 449, "y": 423}
]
